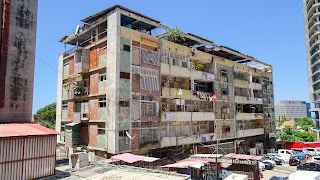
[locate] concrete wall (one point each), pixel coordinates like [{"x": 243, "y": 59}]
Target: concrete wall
[
  {"x": 17, "y": 60},
  {"x": 113, "y": 67},
  {"x": 59, "y": 96}
]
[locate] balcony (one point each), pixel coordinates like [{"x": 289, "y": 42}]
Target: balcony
[
  {"x": 250, "y": 132},
  {"x": 175, "y": 93},
  {"x": 188, "y": 116},
  {"x": 248, "y": 100},
  {"x": 241, "y": 83},
  {"x": 249, "y": 116},
  {"x": 184, "y": 140},
  {"x": 256, "y": 86},
  {"x": 81, "y": 61}
]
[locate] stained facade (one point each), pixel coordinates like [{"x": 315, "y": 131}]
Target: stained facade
[{"x": 133, "y": 90}]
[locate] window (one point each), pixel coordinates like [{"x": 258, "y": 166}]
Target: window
[
  {"x": 124, "y": 103},
  {"x": 149, "y": 108},
  {"x": 224, "y": 91},
  {"x": 125, "y": 47},
  {"x": 102, "y": 102},
  {"x": 225, "y": 128},
  {"x": 224, "y": 73},
  {"x": 103, "y": 77},
  {"x": 123, "y": 133},
  {"x": 150, "y": 83},
  {"x": 65, "y": 106}
]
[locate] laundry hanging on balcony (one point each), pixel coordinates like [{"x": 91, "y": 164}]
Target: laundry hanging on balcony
[{"x": 204, "y": 95}]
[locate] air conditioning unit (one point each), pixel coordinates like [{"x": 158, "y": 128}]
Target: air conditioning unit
[{"x": 193, "y": 50}]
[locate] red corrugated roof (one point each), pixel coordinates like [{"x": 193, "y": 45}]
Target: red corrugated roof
[
  {"x": 243, "y": 156},
  {"x": 24, "y": 129},
  {"x": 200, "y": 159}
]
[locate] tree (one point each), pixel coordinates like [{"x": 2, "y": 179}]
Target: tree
[
  {"x": 175, "y": 35},
  {"x": 289, "y": 135},
  {"x": 305, "y": 123},
  {"x": 46, "y": 116},
  {"x": 282, "y": 119}
]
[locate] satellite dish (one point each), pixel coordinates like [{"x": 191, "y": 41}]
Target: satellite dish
[{"x": 77, "y": 30}]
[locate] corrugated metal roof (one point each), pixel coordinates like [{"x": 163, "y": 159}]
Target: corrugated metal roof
[
  {"x": 15, "y": 129},
  {"x": 127, "y": 157},
  {"x": 243, "y": 156}
]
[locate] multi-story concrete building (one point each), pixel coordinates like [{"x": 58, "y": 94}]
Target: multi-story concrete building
[
  {"x": 292, "y": 109},
  {"x": 18, "y": 40},
  {"x": 126, "y": 87}
]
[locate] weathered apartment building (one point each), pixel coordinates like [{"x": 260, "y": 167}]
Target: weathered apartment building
[{"x": 125, "y": 87}]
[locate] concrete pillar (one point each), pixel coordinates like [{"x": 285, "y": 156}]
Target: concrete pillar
[
  {"x": 59, "y": 96},
  {"x": 112, "y": 84}
]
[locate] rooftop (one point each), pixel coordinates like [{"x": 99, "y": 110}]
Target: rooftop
[{"x": 15, "y": 129}]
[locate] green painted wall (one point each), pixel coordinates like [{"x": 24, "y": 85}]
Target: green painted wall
[
  {"x": 124, "y": 118},
  {"x": 64, "y": 94},
  {"x": 124, "y": 94},
  {"x": 125, "y": 41},
  {"x": 101, "y": 141},
  {"x": 102, "y": 60},
  {"x": 64, "y": 115},
  {"x": 102, "y": 113},
  {"x": 102, "y": 87},
  {"x": 124, "y": 144},
  {"x": 125, "y": 61},
  {"x": 65, "y": 71}
]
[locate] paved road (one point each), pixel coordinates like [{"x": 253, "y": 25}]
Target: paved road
[{"x": 283, "y": 170}]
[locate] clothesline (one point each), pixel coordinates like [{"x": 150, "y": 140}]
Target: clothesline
[{"x": 204, "y": 95}]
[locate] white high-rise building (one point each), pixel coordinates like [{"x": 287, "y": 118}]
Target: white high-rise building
[{"x": 292, "y": 109}]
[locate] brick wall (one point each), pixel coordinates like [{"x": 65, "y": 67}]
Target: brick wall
[
  {"x": 93, "y": 109},
  {"x": 70, "y": 110},
  {"x": 135, "y": 134},
  {"x": 71, "y": 66},
  {"x": 93, "y": 132},
  {"x": 94, "y": 83}
]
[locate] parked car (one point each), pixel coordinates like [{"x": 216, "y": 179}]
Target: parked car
[
  {"x": 315, "y": 159},
  {"x": 302, "y": 152},
  {"x": 296, "y": 160},
  {"x": 268, "y": 165},
  {"x": 286, "y": 154},
  {"x": 284, "y": 160},
  {"x": 262, "y": 166},
  {"x": 268, "y": 160},
  {"x": 313, "y": 166},
  {"x": 307, "y": 175},
  {"x": 313, "y": 151},
  {"x": 273, "y": 158}
]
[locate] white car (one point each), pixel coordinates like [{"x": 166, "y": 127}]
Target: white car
[
  {"x": 284, "y": 160},
  {"x": 312, "y": 151},
  {"x": 315, "y": 159},
  {"x": 262, "y": 166}
]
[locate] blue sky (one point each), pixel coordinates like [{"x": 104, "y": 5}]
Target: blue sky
[{"x": 271, "y": 30}]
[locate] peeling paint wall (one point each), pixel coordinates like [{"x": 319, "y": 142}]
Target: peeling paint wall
[
  {"x": 124, "y": 118},
  {"x": 124, "y": 93},
  {"x": 101, "y": 141},
  {"x": 124, "y": 143},
  {"x": 102, "y": 113},
  {"x": 102, "y": 60},
  {"x": 64, "y": 115}
]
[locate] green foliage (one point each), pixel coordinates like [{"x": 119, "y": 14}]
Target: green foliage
[
  {"x": 305, "y": 123},
  {"x": 289, "y": 135},
  {"x": 46, "y": 116},
  {"x": 175, "y": 35},
  {"x": 282, "y": 119}
]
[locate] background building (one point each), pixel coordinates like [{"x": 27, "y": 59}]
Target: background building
[
  {"x": 17, "y": 55},
  {"x": 292, "y": 109},
  {"x": 126, "y": 87}
]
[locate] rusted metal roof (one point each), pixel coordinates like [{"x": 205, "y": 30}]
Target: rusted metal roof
[
  {"x": 101, "y": 13},
  {"x": 24, "y": 129}
]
